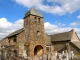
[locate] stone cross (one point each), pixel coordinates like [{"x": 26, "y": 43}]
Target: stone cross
[{"x": 72, "y": 54}]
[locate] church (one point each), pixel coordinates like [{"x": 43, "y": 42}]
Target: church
[{"x": 33, "y": 40}]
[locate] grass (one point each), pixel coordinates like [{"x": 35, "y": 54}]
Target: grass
[{"x": 77, "y": 55}]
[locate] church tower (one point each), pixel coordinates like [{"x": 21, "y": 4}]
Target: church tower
[{"x": 34, "y": 33}]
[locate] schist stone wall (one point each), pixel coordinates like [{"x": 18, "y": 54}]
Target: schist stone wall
[{"x": 34, "y": 34}]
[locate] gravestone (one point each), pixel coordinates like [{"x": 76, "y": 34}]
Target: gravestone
[
  {"x": 66, "y": 55},
  {"x": 35, "y": 58},
  {"x": 44, "y": 57},
  {"x": 56, "y": 53},
  {"x": 69, "y": 55},
  {"x": 62, "y": 53},
  {"x": 60, "y": 57},
  {"x": 72, "y": 55},
  {"x": 49, "y": 56},
  {"x": 53, "y": 57},
  {"x": 40, "y": 58},
  {"x": 29, "y": 58}
]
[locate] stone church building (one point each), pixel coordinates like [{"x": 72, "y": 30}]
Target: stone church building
[{"x": 33, "y": 40}]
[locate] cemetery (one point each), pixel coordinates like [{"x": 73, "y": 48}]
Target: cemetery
[
  {"x": 32, "y": 43},
  {"x": 9, "y": 55}
]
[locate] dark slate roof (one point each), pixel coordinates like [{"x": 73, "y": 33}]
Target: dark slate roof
[
  {"x": 15, "y": 32},
  {"x": 2, "y": 39},
  {"x": 33, "y": 11},
  {"x": 76, "y": 43},
  {"x": 66, "y": 36}
]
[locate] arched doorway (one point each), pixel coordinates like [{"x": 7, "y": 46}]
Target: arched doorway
[{"x": 38, "y": 50}]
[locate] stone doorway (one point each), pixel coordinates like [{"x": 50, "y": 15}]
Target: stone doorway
[{"x": 38, "y": 50}]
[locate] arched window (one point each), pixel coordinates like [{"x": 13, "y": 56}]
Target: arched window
[
  {"x": 38, "y": 32},
  {"x": 35, "y": 19},
  {"x": 15, "y": 40},
  {"x": 38, "y": 20},
  {"x": 15, "y": 53},
  {"x": 9, "y": 41}
]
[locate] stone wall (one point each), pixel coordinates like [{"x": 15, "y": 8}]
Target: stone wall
[
  {"x": 74, "y": 49},
  {"x": 74, "y": 37},
  {"x": 18, "y": 44},
  {"x": 34, "y": 32},
  {"x": 21, "y": 42},
  {"x": 60, "y": 46},
  {"x": 5, "y": 42}
]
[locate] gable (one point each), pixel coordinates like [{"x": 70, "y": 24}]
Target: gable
[
  {"x": 48, "y": 40},
  {"x": 74, "y": 37},
  {"x": 65, "y": 36},
  {"x": 76, "y": 43}
]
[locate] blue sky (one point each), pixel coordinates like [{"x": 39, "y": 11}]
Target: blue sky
[{"x": 59, "y": 15}]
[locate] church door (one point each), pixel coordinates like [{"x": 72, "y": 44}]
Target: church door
[{"x": 38, "y": 50}]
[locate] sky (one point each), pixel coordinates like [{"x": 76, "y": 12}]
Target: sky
[{"x": 59, "y": 15}]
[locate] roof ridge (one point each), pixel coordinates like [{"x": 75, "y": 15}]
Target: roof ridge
[
  {"x": 15, "y": 32},
  {"x": 60, "y": 33},
  {"x": 64, "y": 36}
]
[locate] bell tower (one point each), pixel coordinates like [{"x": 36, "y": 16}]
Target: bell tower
[{"x": 34, "y": 33}]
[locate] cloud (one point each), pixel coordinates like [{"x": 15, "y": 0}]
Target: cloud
[
  {"x": 18, "y": 24},
  {"x": 4, "y": 23},
  {"x": 7, "y": 27},
  {"x": 78, "y": 16},
  {"x": 59, "y": 7},
  {"x": 75, "y": 24},
  {"x": 60, "y": 24},
  {"x": 61, "y": 1},
  {"x": 53, "y": 29},
  {"x": 29, "y": 3},
  {"x": 68, "y": 5}
]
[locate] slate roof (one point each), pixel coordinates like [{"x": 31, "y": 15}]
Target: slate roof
[
  {"x": 15, "y": 32},
  {"x": 76, "y": 43},
  {"x": 65, "y": 36},
  {"x": 33, "y": 11}
]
